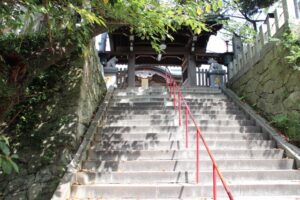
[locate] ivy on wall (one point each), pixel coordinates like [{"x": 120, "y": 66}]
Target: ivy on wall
[{"x": 291, "y": 42}]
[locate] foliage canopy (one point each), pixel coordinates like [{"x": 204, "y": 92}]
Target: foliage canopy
[{"x": 153, "y": 18}]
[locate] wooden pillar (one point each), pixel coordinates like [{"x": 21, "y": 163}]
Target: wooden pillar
[
  {"x": 131, "y": 70},
  {"x": 192, "y": 75}
]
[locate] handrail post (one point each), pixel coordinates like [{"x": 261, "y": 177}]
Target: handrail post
[
  {"x": 168, "y": 82},
  {"x": 174, "y": 95},
  {"x": 197, "y": 157},
  {"x": 186, "y": 127},
  {"x": 179, "y": 106},
  {"x": 214, "y": 183},
  {"x": 166, "y": 78},
  {"x": 170, "y": 87}
]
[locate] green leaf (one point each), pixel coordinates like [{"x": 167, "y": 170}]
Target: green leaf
[
  {"x": 4, "y": 139},
  {"x": 198, "y": 30},
  {"x": 6, "y": 166},
  {"x": 220, "y": 3},
  {"x": 42, "y": 9},
  {"x": 4, "y": 148},
  {"x": 13, "y": 165},
  {"x": 15, "y": 156},
  {"x": 208, "y": 8},
  {"x": 199, "y": 11},
  {"x": 215, "y": 7}
]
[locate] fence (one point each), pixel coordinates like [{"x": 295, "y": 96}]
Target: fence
[
  {"x": 203, "y": 80},
  {"x": 201, "y": 77},
  {"x": 283, "y": 14}
]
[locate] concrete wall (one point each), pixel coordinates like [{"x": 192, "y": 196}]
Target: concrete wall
[{"x": 62, "y": 121}]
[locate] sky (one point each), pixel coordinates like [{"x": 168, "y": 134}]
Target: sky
[{"x": 216, "y": 44}]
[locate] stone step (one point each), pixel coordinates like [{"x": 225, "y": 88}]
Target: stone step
[
  {"x": 201, "y": 92},
  {"x": 171, "y": 108},
  {"x": 170, "y": 105},
  {"x": 142, "y": 96},
  {"x": 200, "y": 95},
  {"x": 207, "y": 100},
  {"x": 182, "y": 191},
  {"x": 140, "y": 92},
  {"x": 199, "y": 89},
  {"x": 167, "y": 98},
  {"x": 112, "y": 155},
  {"x": 170, "y": 112},
  {"x": 156, "y": 88},
  {"x": 163, "y": 88},
  {"x": 153, "y": 93},
  {"x": 209, "y": 104},
  {"x": 125, "y": 122},
  {"x": 139, "y": 89},
  {"x": 165, "y": 93},
  {"x": 145, "y": 93},
  {"x": 207, "y": 97},
  {"x": 180, "y": 145},
  {"x": 140, "y": 152},
  {"x": 269, "y": 197},
  {"x": 142, "y": 100},
  {"x": 186, "y": 165},
  {"x": 176, "y": 129},
  {"x": 175, "y": 117},
  {"x": 158, "y": 177},
  {"x": 180, "y": 137}
]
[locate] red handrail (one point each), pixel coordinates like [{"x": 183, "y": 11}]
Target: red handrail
[
  {"x": 216, "y": 172},
  {"x": 179, "y": 106},
  {"x": 186, "y": 127}
]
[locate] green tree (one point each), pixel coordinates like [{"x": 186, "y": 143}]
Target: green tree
[
  {"x": 69, "y": 23},
  {"x": 246, "y": 9}
]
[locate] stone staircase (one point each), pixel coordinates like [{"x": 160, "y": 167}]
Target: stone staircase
[{"x": 140, "y": 152}]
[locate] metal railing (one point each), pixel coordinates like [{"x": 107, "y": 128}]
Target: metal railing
[{"x": 178, "y": 101}]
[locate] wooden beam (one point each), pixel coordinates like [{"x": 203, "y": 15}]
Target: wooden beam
[{"x": 148, "y": 51}]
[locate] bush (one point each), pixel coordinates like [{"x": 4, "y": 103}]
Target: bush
[{"x": 289, "y": 125}]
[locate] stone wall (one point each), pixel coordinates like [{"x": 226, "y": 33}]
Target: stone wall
[
  {"x": 271, "y": 86},
  {"x": 77, "y": 90}
]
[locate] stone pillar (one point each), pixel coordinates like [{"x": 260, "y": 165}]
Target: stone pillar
[
  {"x": 131, "y": 70},
  {"x": 289, "y": 10},
  {"x": 237, "y": 45},
  {"x": 276, "y": 17},
  {"x": 192, "y": 75}
]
